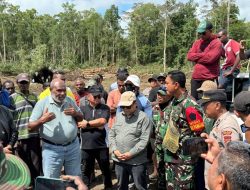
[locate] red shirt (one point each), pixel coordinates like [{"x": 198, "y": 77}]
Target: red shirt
[
  {"x": 231, "y": 50},
  {"x": 206, "y": 56},
  {"x": 78, "y": 97}
]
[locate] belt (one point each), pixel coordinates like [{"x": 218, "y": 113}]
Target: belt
[{"x": 56, "y": 144}]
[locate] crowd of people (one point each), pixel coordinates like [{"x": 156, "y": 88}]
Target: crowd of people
[{"x": 66, "y": 131}]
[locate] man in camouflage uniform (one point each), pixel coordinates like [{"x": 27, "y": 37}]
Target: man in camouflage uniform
[{"x": 182, "y": 119}]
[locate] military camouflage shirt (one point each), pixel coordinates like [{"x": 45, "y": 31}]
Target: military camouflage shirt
[{"x": 178, "y": 108}]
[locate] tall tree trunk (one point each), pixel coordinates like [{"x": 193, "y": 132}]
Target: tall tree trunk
[
  {"x": 113, "y": 52},
  {"x": 4, "y": 48},
  {"x": 165, "y": 47},
  {"x": 89, "y": 48},
  {"x": 136, "y": 49}
]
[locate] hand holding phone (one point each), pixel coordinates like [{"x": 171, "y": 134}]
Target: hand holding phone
[
  {"x": 44, "y": 183},
  {"x": 194, "y": 146}
]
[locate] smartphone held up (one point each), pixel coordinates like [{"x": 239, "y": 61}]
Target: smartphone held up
[{"x": 194, "y": 146}]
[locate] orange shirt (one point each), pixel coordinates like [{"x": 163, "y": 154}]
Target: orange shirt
[{"x": 113, "y": 100}]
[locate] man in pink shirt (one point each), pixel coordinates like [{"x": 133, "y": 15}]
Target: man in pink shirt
[
  {"x": 114, "y": 97},
  {"x": 205, "y": 54},
  {"x": 231, "y": 66}
]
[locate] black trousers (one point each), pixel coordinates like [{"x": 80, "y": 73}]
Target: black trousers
[
  {"x": 138, "y": 172},
  {"x": 195, "y": 84},
  {"x": 29, "y": 150},
  {"x": 88, "y": 164}
]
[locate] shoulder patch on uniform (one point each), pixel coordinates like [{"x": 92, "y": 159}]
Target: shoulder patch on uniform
[{"x": 194, "y": 119}]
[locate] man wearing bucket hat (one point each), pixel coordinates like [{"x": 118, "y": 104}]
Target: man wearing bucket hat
[
  {"x": 14, "y": 173},
  {"x": 128, "y": 141},
  {"x": 205, "y": 54}
]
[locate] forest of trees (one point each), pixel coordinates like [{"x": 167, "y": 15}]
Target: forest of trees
[{"x": 72, "y": 39}]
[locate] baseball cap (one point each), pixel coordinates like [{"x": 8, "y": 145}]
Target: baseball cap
[
  {"x": 213, "y": 95},
  {"x": 95, "y": 90},
  {"x": 23, "y": 77},
  {"x": 153, "y": 77},
  {"x": 127, "y": 98},
  {"x": 203, "y": 26},
  {"x": 14, "y": 173},
  {"x": 207, "y": 85},
  {"x": 134, "y": 79},
  {"x": 162, "y": 91},
  {"x": 161, "y": 75},
  {"x": 242, "y": 101}
]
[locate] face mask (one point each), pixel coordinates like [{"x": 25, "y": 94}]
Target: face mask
[{"x": 129, "y": 87}]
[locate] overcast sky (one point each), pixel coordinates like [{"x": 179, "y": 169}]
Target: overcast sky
[{"x": 54, "y": 6}]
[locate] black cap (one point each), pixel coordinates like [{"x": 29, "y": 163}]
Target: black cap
[
  {"x": 95, "y": 90},
  {"x": 162, "y": 90},
  {"x": 161, "y": 75},
  {"x": 122, "y": 70},
  {"x": 242, "y": 101},
  {"x": 153, "y": 77},
  {"x": 213, "y": 95}
]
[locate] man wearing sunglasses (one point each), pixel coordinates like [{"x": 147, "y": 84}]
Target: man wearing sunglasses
[
  {"x": 28, "y": 144},
  {"x": 205, "y": 54},
  {"x": 93, "y": 134},
  {"x": 128, "y": 140}
]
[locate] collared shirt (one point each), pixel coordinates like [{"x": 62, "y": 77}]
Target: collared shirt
[
  {"x": 231, "y": 50},
  {"x": 23, "y": 105},
  {"x": 113, "y": 86},
  {"x": 131, "y": 135},
  {"x": 46, "y": 93},
  {"x": 93, "y": 137},
  {"x": 176, "y": 111},
  {"x": 63, "y": 128},
  {"x": 226, "y": 129},
  {"x": 113, "y": 100}
]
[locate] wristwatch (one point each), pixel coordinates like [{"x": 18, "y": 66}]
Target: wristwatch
[{"x": 88, "y": 125}]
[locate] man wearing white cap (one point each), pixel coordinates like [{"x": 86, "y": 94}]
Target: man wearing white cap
[
  {"x": 128, "y": 140},
  {"x": 133, "y": 84}
]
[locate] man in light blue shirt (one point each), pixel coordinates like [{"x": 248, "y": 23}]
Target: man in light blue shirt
[
  {"x": 56, "y": 117},
  {"x": 133, "y": 84}
]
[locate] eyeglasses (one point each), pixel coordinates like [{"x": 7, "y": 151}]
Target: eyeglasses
[
  {"x": 126, "y": 107},
  {"x": 97, "y": 96},
  {"x": 23, "y": 82},
  {"x": 202, "y": 33},
  {"x": 244, "y": 128},
  {"x": 122, "y": 85}
]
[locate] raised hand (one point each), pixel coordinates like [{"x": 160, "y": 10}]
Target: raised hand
[
  {"x": 70, "y": 111},
  {"x": 213, "y": 148},
  {"x": 47, "y": 116}
]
